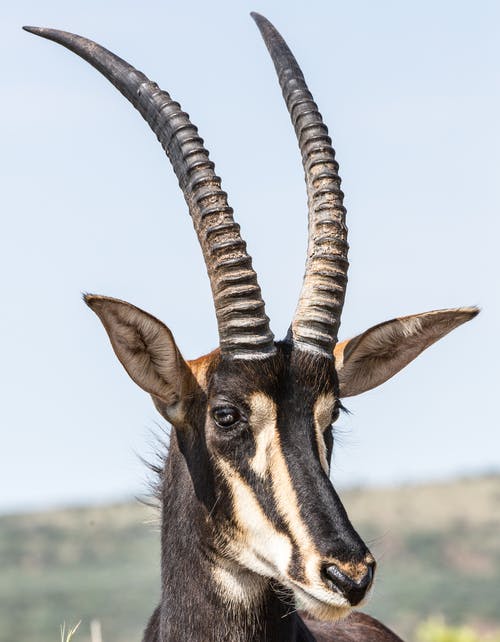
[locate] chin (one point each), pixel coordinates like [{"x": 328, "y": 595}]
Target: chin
[{"x": 328, "y": 608}]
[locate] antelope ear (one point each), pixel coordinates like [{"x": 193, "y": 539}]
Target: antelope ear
[
  {"x": 373, "y": 357},
  {"x": 145, "y": 348}
]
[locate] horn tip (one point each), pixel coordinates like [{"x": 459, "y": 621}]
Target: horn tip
[
  {"x": 259, "y": 18},
  {"x": 50, "y": 34},
  {"x": 38, "y": 31}
]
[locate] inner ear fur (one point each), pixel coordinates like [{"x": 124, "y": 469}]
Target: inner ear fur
[
  {"x": 145, "y": 348},
  {"x": 373, "y": 357}
]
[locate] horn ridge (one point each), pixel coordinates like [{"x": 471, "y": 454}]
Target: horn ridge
[
  {"x": 244, "y": 331},
  {"x": 317, "y": 317}
]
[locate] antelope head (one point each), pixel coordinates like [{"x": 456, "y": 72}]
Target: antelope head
[{"x": 253, "y": 419}]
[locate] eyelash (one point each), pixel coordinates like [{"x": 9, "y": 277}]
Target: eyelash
[{"x": 339, "y": 408}]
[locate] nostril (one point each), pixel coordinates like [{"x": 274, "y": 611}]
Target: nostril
[
  {"x": 368, "y": 577},
  {"x": 333, "y": 574},
  {"x": 353, "y": 590}
]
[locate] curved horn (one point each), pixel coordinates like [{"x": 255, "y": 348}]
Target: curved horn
[
  {"x": 243, "y": 325},
  {"x": 317, "y": 318}
]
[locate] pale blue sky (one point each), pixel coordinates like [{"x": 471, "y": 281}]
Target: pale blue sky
[{"x": 411, "y": 93}]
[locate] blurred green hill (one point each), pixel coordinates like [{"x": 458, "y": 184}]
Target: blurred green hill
[{"x": 438, "y": 548}]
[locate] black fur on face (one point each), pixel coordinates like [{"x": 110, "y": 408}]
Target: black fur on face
[{"x": 258, "y": 453}]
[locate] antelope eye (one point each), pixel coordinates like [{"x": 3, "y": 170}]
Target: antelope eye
[
  {"x": 335, "y": 414},
  {"x": 226, "y": 417},
  {"x": 336, "y": 410}
]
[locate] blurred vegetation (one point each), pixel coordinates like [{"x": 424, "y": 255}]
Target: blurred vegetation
[
  {"x": 438, "y": 547},
  {"x": 78, "y": 564},
  {"x": 67, "y": 634},
  {"x": 435, "y": 630}
]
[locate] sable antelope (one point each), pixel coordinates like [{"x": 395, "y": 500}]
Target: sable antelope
[{"x": 252, "y": 527}]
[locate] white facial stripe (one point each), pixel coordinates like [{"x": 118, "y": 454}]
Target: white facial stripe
[
  {"x": 269, "y": 457},
  {"x": 262, "y": 548},
  {"x": 259, "y": 546},
  {"x": 263, "y": 418},
  {"x": 323, "y": 412},
  {"x": 288, "y": 506}
]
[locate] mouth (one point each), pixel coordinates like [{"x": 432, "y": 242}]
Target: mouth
[
  {"x": 321, "y": 604},
  {"x": 323, "y": 601}
]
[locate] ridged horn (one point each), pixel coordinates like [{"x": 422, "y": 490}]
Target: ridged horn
[
  {"x": 317, "y": 318},
  {"x": 244, "y": 330}
]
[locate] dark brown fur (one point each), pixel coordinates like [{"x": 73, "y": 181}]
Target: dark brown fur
[{"x": 358, "y": 627}]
